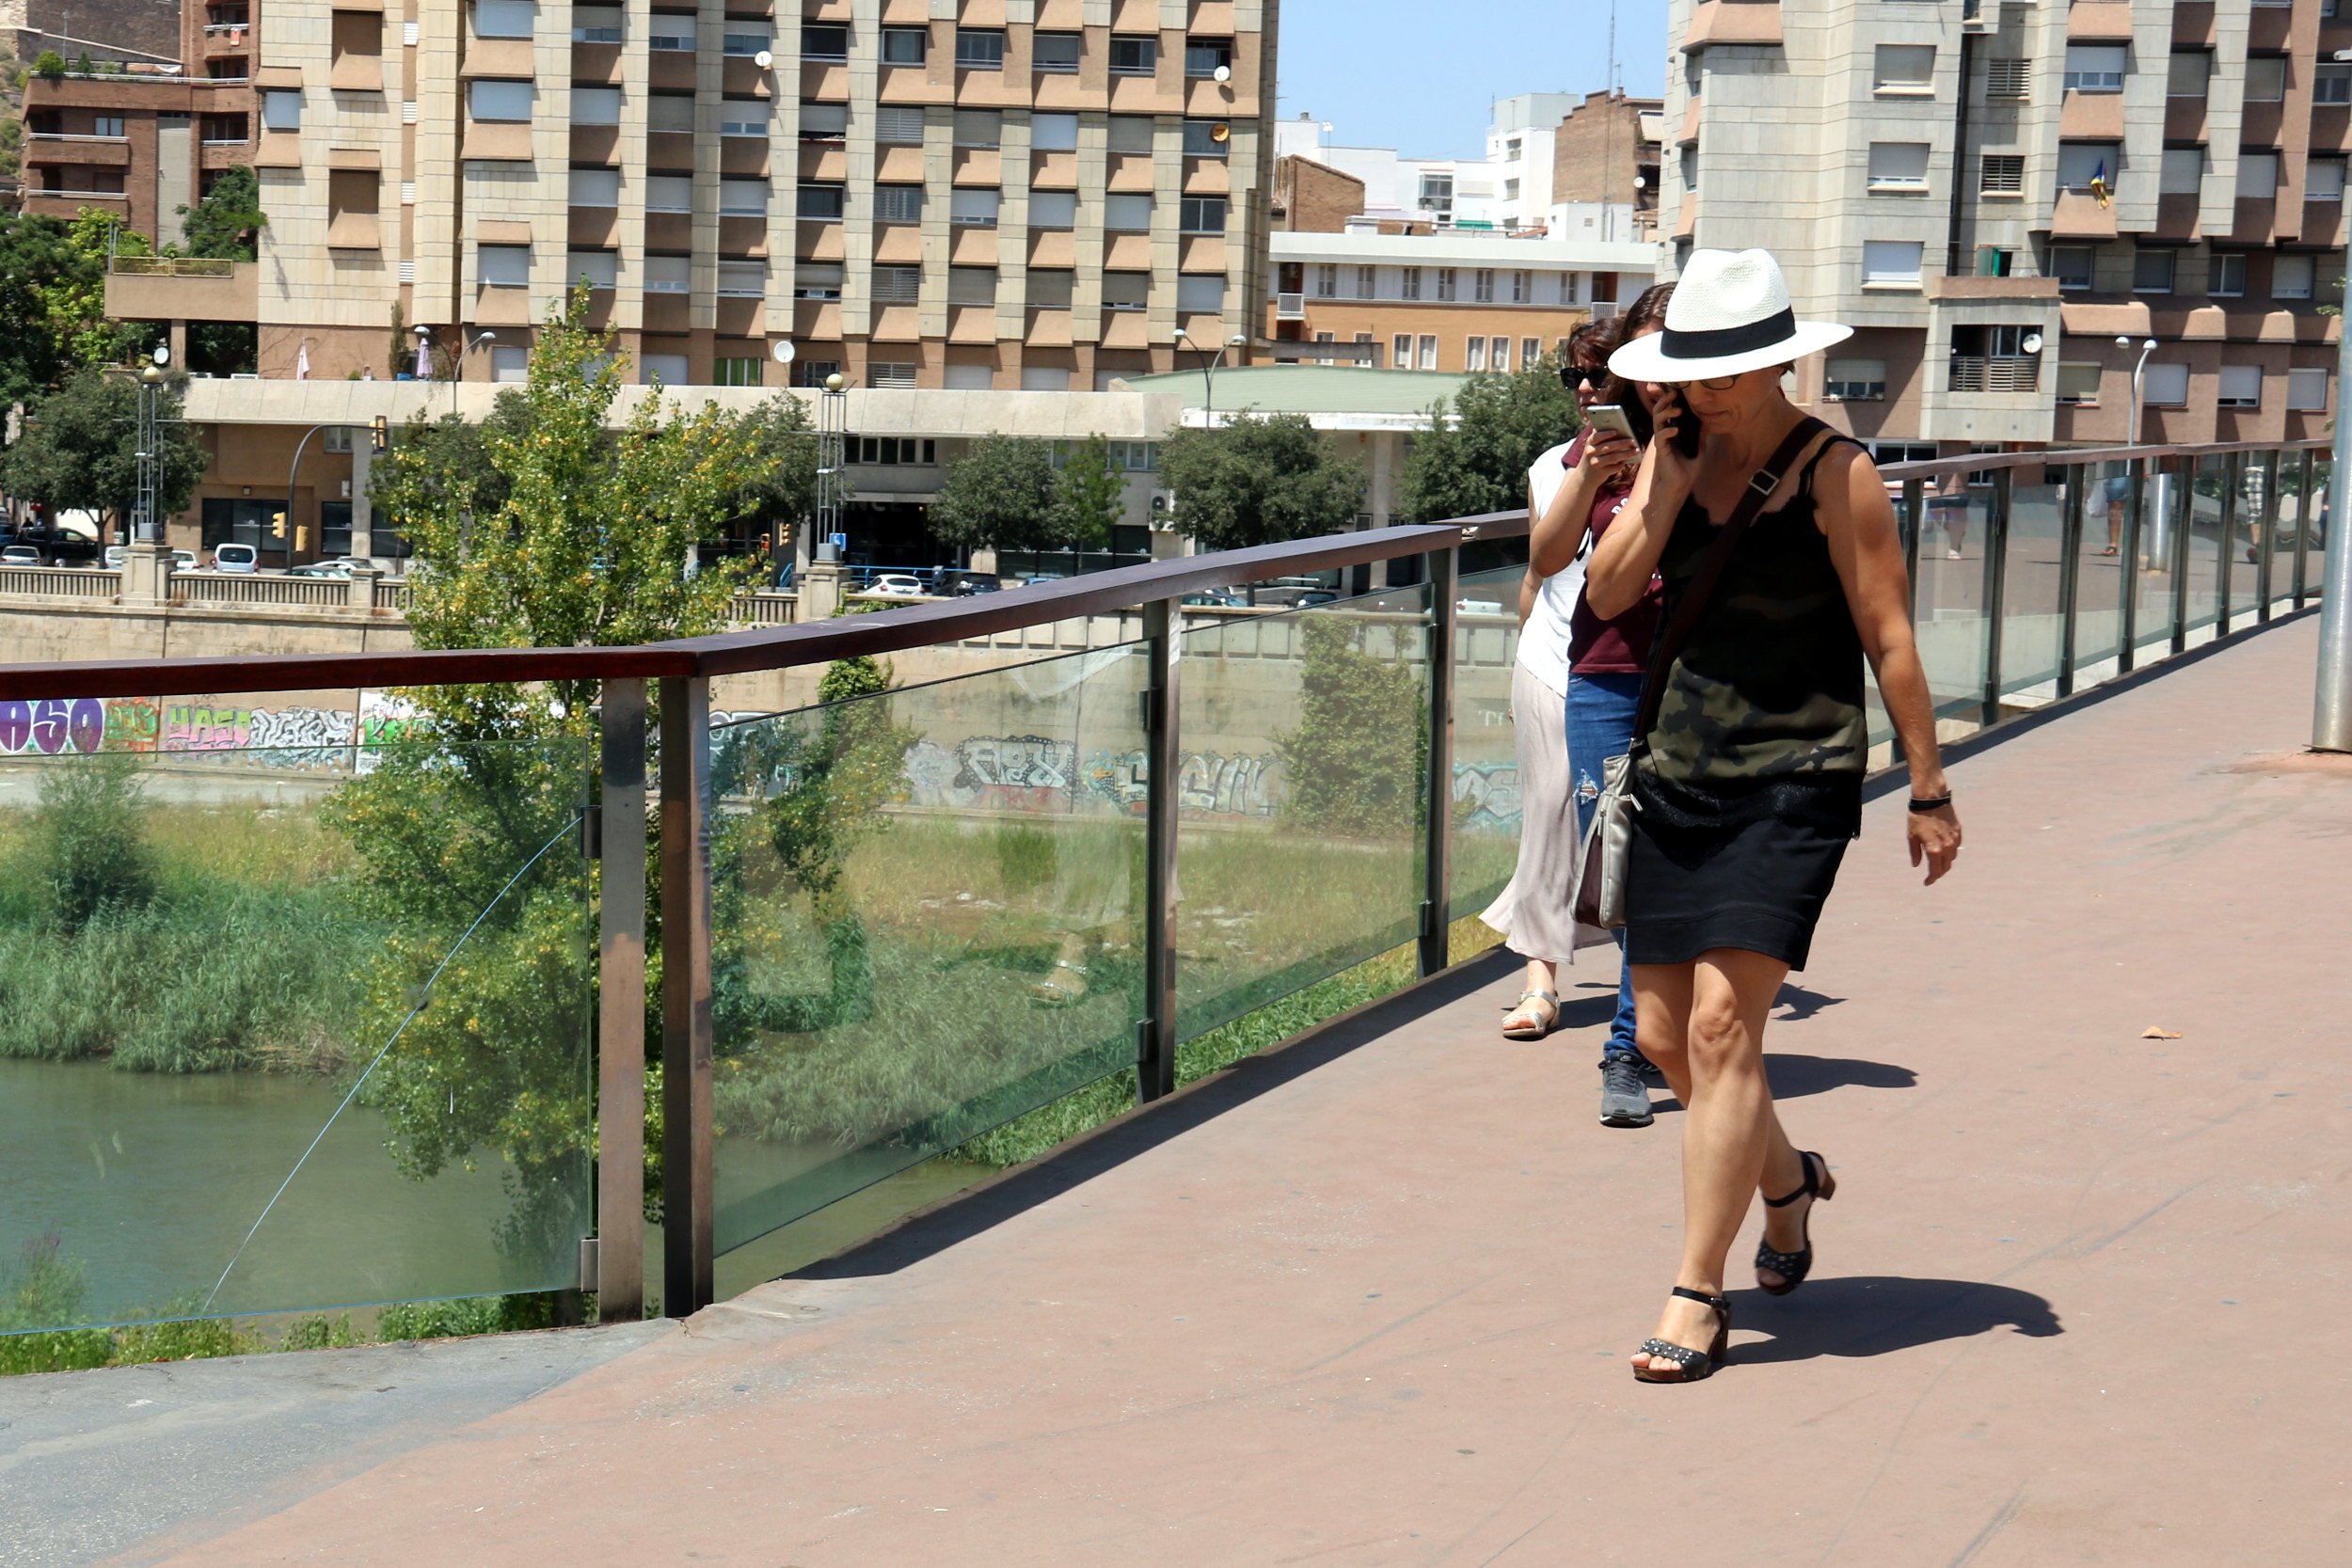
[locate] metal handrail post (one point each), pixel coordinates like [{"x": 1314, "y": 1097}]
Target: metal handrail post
[
  {"x": 2069, "y": 575},
  {"x": 1995, "y": 590},
  {"x": 2265, "y": 548},
  {"x": 2232, "y": 490},
  {"x": 1436, "y": 912},
  {"x": 620, "y": 1273},
  {"x": 1155, "y": 1033},
  {"x": 2128, "y": 617},
  {"x": 2183, "y": 525},
  {"x": 687, "y": 1213}
]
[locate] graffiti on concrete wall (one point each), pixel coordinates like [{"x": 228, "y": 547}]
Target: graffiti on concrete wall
[
  {"x": 295, "y": 737},
  {"x": 1487, "y": 796}
]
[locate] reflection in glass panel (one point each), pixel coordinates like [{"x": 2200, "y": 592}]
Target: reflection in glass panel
[
  {"x": 1485, "y": 806},
  {"x": 1950, "y": 621},
  {"x": 2243, "y": 549},
  {"x": 2030, "y": 620},
  {"x": 1305, "y": 736},
  {"x": 2317, "y": 534},
  {"x": 2162, "y": 509},
  {"x": 927, "y": 920},
  {"x": 2202, "y": 572},
  {"x": 296, "y": 1011},
  {"x": 2099, "y": 576}
]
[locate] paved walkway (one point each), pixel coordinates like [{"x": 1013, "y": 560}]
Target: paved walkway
[{"x": 1368, "y": 1301}]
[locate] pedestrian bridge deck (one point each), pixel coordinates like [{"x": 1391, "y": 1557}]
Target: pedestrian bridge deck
[{"x": 1368, "y": 1300}]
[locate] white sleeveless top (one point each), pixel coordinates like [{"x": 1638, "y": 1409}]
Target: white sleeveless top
[{"x": 1543, "y": 640}]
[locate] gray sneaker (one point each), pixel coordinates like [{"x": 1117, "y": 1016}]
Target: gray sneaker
[{"x": 1624, "y": 1099}]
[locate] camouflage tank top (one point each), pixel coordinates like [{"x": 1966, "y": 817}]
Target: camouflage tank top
[{"x": 1768, "y": 686}]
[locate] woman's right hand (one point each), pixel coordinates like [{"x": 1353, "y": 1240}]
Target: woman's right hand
[
  {"x": 1675, "y": 472},
  {"x": 1608, "y": 456}
]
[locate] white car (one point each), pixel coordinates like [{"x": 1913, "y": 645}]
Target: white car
[
  {"x": 184, "y": 561},
  {"x": 20, "y": 554},
  {"x": 896, "y": 585},
  {"x": 116, "y": 556},
  {"x": 241, "y": 559}
]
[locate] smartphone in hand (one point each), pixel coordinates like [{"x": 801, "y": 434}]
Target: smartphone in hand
[
  {"x": 1609, "y": 417},
  {"x": 1686, "y": 427}
]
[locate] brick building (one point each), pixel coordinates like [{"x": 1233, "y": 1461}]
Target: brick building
[{"x": 1604, "y": 169}]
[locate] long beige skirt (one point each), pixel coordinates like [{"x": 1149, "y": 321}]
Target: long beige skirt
[{"x": 1534, "y": 912}]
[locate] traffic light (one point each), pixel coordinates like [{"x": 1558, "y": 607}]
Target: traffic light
[{"x": 380, "y": 433}]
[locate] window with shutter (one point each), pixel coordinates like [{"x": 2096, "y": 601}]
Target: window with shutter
[
  {"x": 1053, "y": 208},
  {"x": 973, "y": 208},
  {"x": 669, "y": 275},
  {"x": 502, "y": 266},
  {"x": 2003, "y": 174},
  {"x": 2241, "y": 387},
  {"x": 2164, "y": 386},
  {"x": 1054, "y": 132},
  {"x": 898, "y": 285},
  {"x": 2079, "y": 384},
  {"x": 743, "y": 281},
  {"x": 2306, "y": 392},
  {"x": 1899, "y": 166},
  {"x": 898, "y": 125},
  {"x": 897, "y": 204}
]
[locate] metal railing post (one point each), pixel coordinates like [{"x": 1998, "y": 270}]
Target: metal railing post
[
  {"x": 2265, "y": 546},
  {"x": 2306, "y": 508},
  {"x": 2070, "y": 574},
  {"x": 2232, "y": 487},
  {"x": 2127, "y": 616},
  {"x": 687, "y": 1237},
  {"x": 1155, "y": 1033},
  {"x": 1995, "y": 590},
  {"x": 620, "y": 1272},
  {"x": 1437, "y": 912},
  {"x": 2184, "y": 529}
]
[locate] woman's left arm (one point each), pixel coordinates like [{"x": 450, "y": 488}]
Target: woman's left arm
[{"x": 1859, "y": 522}]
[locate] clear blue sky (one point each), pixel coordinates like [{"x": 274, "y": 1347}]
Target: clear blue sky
[{"x": 1421, "y": 77}]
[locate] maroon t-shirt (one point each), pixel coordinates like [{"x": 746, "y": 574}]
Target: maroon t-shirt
[{"x": 1618, "y": 647}]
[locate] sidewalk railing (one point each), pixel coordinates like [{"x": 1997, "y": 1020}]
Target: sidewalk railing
[{"x": 411, "y": 954}]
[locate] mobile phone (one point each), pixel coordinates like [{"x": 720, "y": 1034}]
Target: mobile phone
[
  {"x": 1611, "y": 417},
  {"x": 1686, "y": 427}
]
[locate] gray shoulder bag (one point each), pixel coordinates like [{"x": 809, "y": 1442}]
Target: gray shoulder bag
[{"x": 1607, "y": 853}]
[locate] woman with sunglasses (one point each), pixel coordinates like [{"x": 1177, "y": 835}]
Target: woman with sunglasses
[
  {"x": 1533, "y": 913},
  {"x": 1606, "y": 657},
  {"x": 1747, "y": 784}
]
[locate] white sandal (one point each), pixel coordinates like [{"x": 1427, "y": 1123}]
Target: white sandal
[
  {"x": 1055, "y": 993},
  {"x": 1531, "y": 1031}
]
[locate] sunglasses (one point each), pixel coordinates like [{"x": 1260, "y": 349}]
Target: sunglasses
[{"x": 1573, "y": 376}]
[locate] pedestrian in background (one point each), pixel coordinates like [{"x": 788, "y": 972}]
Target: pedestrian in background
[
  {"x": 1533, "y": 913},
  {"x": 1784, "y": 573},
  {"x": 1607, "y": 660}
]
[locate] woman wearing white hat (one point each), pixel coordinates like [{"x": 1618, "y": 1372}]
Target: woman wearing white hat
[{"x": 1782, "y": 572}]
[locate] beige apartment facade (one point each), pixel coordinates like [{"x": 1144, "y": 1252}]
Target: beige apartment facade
[
  {"x": 2011, "y": 202},
  {"x": 966, "y": 194}
]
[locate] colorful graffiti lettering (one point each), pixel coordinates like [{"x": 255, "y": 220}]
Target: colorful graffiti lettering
[
  {"x": 1487, "y": 796},
  {"x": 306, "y": 738}
]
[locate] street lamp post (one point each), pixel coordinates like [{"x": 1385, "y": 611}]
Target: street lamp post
[
  {"x": 2156, "y": 537},
  {"x": 1209, "y": 364},
  {"x": 147, "y": 523}
]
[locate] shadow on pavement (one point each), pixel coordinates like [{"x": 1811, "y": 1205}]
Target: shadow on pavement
[
  {"x": 1801, "y": 1004},
  {"x": 1875, "y": 1314},
  {"x": 1792, "y": 1077}
]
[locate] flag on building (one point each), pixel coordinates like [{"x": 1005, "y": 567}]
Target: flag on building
[{"x": 2099, "y": 183}]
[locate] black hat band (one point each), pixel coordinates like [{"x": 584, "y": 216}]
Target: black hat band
[{"x": 1723, "y": 342}]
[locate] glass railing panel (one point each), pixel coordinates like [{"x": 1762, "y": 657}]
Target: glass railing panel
[
  {"x": 2100, "y": 580},
  {"x": 2241, "y": 549},
  {"x": 1950, "y": 622},
  {"x": 2031, "y": 619},
  {"x": 2319, "y": 532},
  {"x": 1485, "y": 809},
  {"x": 928, "y": 919},
  {"x": 1298, "y": 855},
  {"x": 297, "y": 1007},
  {"x": 2162, "y": 506},
  {"x": 2204, "y": 546}
]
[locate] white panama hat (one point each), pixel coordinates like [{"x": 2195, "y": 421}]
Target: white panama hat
[{"x": 1729, "y": 313}]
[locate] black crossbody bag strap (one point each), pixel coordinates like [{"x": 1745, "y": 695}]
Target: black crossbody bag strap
[{"x": 1668, "y": 648}]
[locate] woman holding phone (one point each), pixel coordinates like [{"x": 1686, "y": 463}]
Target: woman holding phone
[
  {"x": 1533, "y": 913},
  {"x": 1783, "y": 573},
  {"x": 1606, "y": 657}
]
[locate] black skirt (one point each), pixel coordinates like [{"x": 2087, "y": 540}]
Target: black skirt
[{"x": 1745, "y": 864}]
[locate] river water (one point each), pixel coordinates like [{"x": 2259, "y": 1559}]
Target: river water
[{"x": 150, "y": 1182}]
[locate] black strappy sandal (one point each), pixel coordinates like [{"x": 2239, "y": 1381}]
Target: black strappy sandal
[
  {"x": 1696, "y": 1364},
  {"x": 1793, "y": 1266}
]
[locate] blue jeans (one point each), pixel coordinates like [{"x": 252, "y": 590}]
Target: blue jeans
[{"x": 1601, "y": 711}]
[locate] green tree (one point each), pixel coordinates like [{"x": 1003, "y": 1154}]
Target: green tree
[
  {"x": 80, "y": 449},
  {"x": 999, "y": 495},
  {"x": 1259, "y": 479},
  {"x": 468, "y": 824},
  {"x": 73, "y": 298},
  {"x": 1474, "y": 456},
  {"x": 226, "y": 225},
  {"x": 1090, "y": 497},
  {"x": 50, "y": 67},
  {"x": 1356, "y": 759},
  {"x": 784, "y": 495},
  {"x": 33, "y": 251}
]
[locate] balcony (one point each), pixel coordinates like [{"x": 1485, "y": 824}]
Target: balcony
[
  {"x": 182, "y": 288},
  {"x": 1997, "y": 372}
]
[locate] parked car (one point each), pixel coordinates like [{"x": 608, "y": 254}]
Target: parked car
[
  {"x": 321, "y": 569},
  {"x": 242, "y": 560},
  {"x": 20, "y": 554},
  {"x": 1310, "y": 598},
  {"x": 976, "y": 583},
  {"x": 116, "y": 556},
  {"x": 896, "y": 585},
  {"x": 1219, "y": 598},
  {"x": 184, "y": 561},
  {"x": 56, "y": 547}
]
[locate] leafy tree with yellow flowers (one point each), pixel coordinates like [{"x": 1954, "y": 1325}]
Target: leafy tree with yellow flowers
[{"x": 546, "y": 528}]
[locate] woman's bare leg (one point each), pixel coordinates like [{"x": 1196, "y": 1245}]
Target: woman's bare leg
[{"x": 1729, "y": 1133}]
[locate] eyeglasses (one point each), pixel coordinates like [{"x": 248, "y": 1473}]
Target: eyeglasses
[{"x": 1713, "y": 384}]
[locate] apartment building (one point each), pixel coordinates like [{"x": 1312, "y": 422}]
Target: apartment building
[
  {"x": 1457, "y": 300},
  {"x": 140, "y": 136},
  {"x": 962, "y": 194},
  {"x": 1602, "y": 165},
  {"x": 2011, "y": 202}
]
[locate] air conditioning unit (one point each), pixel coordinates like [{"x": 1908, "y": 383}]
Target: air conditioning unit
[{"x": 1162, "y": 511}]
